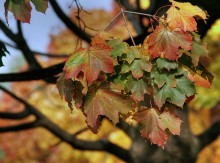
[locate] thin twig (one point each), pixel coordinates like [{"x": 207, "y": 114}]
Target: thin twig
[
  {"x": 112, "y": 21},
  {"x": 126, "y": 23}
]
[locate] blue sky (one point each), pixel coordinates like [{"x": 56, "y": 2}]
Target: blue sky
[{"x": 42, "y": 25}]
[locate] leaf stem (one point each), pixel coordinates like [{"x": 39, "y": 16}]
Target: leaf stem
[
  {"x": 108, "y": 25},
  {"x": 126, "y": 23}
]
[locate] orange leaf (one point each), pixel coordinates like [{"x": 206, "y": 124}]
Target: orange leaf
[{"x": 181, "y": 15}]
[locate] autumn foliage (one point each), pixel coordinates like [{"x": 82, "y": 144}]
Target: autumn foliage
[{"x": 145, "y": 82}]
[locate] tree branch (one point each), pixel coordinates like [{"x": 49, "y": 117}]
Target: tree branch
[
  {"x": 19, "y": 115},
  {"x": 23, "y": 126},
  {"x": 7, "y": 31},
  {"x": 46, "y": 74},
  {"x": 43, "y": 121},
  {"x": 69, "y": 23},
  {"x": 23, "y": 46}
]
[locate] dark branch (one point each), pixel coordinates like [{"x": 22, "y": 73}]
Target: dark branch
[
  {"x": 43, "y": 121},
  {"x": 69, "y": 23},
  {"x": 23, "y": 126},
  {"x": 7, "y": 31},
  {"x": 23, "y": 46},
  {"x": 19, "y": 115},
  {"x": 46, "y": 74}
]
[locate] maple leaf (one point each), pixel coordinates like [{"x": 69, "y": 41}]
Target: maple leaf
[
  {"x": 178, "y": 95},
  {"x": 103, "y": 101},
  {"x": 199, "y": 75},
  {"x": 181, "y": 15},
  {"x": 40, "y": 5},
  {"x": 3, "y": 52},
  {"x": 199, "y": 49},
  {"x": 134, "y": 52},
  {"x": 90, "y": 61},
  {"x": 70, "y": 90},
  {"x": 138, "y": 66},
  {"x": 160, "y": 78},
  {"x": 21, "y": 9},
  {"x": 152, "y": 127},
  {"x": 166, "y": 64},
  {"x": 119, "y": 47},
  {"x": 165, "y": 43},
  {"x": 171, "y": 121},
  {"x": 137, "y": 87}
]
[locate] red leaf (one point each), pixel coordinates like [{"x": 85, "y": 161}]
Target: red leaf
[
  {"x": 103, "y": 101},
  {"x": 165, "y": 43},
  {"x": 90, "y": 61},
  {"x": 152, "y": 126}
]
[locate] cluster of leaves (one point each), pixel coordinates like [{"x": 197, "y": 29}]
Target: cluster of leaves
[
  {"x": 145, "y": 82},
  {"x": 22, "y": 9}
]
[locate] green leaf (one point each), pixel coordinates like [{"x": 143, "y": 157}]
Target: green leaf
[
  {"x": 166, "y": 64},
  {"x": 3, "y": 52},
  {"x": 139, "y": 66},
  {"x": 40, "y": 5},
  {"x": 199, "y": 49},
  {"x": 70, "y": 90},
  {"x": 119, "y": 47},
  {"x": 103, "y": 101},
  {"x": 137, "y": 87},
  {"x": 178, "y": 95},
  {"x": 21, "y": 9},
  {"x": 160, "y": 78},
  {"x": 134, "y": 52}
]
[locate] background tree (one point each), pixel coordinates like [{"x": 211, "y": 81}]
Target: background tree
[{"x": 177, "y": 147}]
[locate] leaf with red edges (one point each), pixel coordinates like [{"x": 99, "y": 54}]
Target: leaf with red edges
[
  {"x": 165, "y": 43},
  {"x": 90, "y": 61},
  {"x": 171, "y": 121},
  {"x": 152, "y": 127},
  {"x": 21, "y": 9},
  {"x": 103, "y": 101},
  {"x": 70, "y": 90}
]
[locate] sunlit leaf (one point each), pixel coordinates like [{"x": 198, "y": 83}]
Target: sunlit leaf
[{"x": 181, "y": 15}]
